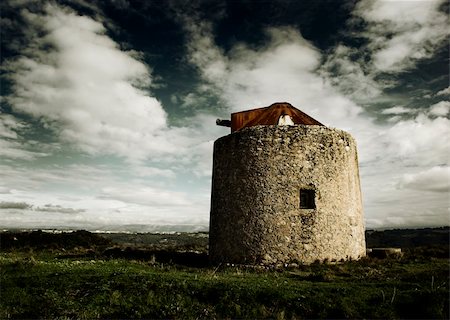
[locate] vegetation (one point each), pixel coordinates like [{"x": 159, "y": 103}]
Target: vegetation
[{"x": 87, "y": 283}]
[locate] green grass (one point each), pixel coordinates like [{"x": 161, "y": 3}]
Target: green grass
[{"x": 39, "y": 285}]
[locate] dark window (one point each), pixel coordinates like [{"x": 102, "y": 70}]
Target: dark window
[{"x": 307, "y": 199}]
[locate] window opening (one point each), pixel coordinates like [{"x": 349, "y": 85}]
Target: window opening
[{"x": 307, "y": 199}]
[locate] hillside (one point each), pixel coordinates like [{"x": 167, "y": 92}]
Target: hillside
[{"x": 167, "y": 276}]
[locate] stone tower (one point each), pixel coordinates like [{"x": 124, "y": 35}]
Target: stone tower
[{"x": 285, "y": 189}]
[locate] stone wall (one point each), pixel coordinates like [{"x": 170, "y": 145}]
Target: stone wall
[{"x": 255, "y": 207}]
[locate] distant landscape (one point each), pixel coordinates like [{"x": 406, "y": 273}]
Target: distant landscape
[
  {"x": 374, "y": 238},
  {"x": 88, "y": 275}
]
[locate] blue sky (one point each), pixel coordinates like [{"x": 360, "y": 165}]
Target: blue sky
[{"x": 108, "y": 108}]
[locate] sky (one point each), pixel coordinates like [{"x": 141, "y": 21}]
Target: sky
[{"x": 108, "y": 108}]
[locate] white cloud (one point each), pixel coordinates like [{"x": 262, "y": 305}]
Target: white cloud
[
  {"x": 8, "y": 126},
  {"x": 88, "y": 90},
  {"x": 94, "y": 97},
  {"x": 287, "y": 68},
  {"x": 283, "y": 70},
  {"x": 434, "y": 179},
  {"x": 202, "y": 50},
  {"x": 146, "y": 196},
  {"x": 350, "y": 75},
  {"x": 143, "y": 171},
  {"x": 440, "y": 109},
  {"x": 11, "y": 142},
  {"x": 444, "y": 92},
  {"x": 4, "y": 190},
  {"x": 396, "y": 110},
  {"x": 16, "y": 150},
  {"x": 398, "y": 34},
  {"x": 402, "y": 32},
  {"x": 421, "y": 141},
  {"x": 80, "y": 196}
]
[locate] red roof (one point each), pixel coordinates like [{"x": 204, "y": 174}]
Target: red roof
[{"x": 269, "y": 116}]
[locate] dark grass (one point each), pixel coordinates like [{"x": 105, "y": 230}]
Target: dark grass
[{"x": 51, "y": 284}]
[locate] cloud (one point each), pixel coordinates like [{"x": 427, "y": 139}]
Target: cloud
[
  {"x": 18, "y": 206},
  {"x": 444, "y": 92},
  {"x": 31, "y": 179},
  {"x": 143, "y": 171},
  {"x": 436, "y": 179},
  {"x": 282, "y": 70},
  {"x": 421, "y": 141},
  {"x": 16, "y": 150},
  {"x": 58, "y": 209},
  {"x": 397, "y": 35},
  {"x": 8, "y": 126},
  {"x": 11, "y": 141},
  {"x": 411, "y": 220},
  {"x": 286, "y": 67},
  {"x": 203, "y": 51},
  {"x": 4, "y": 190},
  {"x": 397, "y": 110},
  {"x": 440, "y": 109},
  {"x": 146, "y": 196},
  {"x": 89, "y": 92},
  {"x": 402, "y": 32},
  {"x": 344, "y": 69},
  {"x": 92, "y": 96},
  {"x": 14, "y": 205},
  {"x": 101, "y": 196}
]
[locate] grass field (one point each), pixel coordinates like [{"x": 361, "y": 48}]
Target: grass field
[{"x": 55, "y": 284}]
